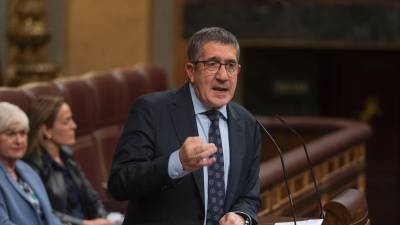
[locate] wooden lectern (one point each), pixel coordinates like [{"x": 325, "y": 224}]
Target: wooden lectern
[{"x": 348, "y": 208}]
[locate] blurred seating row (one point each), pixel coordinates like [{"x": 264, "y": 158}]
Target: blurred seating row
[{"x": 100, "y": 103}]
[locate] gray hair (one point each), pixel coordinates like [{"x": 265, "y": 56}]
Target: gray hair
[
  {"x": 10, "y": 113},
  {"x": 210, "y": 34}
]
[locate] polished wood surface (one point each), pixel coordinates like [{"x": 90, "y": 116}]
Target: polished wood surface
[
  {"x": 271, "y": 220},
  {"x": 348, "y": 208},
  {"x": 337, "y": 151}
]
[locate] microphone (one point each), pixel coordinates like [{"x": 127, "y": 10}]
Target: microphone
[
  {"x": 283, "y": 168},
  {"x": 310, "y": 165}
]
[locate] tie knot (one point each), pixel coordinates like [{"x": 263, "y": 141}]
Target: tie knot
[{"x": 213, "y": 115}]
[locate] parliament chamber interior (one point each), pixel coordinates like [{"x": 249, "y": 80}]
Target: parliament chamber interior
[{"x": 328, "y": 68}]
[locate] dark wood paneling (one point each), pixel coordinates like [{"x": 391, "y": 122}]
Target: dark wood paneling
[
  {"x": 347, "y": 81},
  {"x": 293, "y": 22},
  {"x": 351, "y": 78}
]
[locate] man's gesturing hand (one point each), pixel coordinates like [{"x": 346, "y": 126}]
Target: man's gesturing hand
[
  {"x": 231, "y": 218},
  {"x": 194, "y": 154}
]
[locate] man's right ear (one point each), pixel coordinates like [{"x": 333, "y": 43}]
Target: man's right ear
[{"x": 189, "y": 69}]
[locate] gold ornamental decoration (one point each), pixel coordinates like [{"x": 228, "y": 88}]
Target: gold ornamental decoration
[{"x": 27, "y": 37}]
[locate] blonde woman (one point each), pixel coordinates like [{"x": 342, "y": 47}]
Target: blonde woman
[{"x": 70, "y": 193}]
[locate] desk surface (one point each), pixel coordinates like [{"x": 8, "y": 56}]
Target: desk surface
[{"x": 271, "y": 220}]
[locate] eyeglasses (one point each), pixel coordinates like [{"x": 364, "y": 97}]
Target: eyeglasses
[
  {"x": 14, "y": 134},
  {"x": 214, "y": 66}
]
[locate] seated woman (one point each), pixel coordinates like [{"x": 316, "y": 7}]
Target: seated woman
[
  {"x": 70, "y": 193},
  {"x": 23, "y": 198}
]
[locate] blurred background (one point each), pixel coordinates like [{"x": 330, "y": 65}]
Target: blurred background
[{"x": 338, "y": 58}]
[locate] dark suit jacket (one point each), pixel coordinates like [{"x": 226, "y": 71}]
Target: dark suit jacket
[{"x": 157, "y": 125}]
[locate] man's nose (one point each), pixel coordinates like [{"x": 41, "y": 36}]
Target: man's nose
[{"x": 222, "y": 74}]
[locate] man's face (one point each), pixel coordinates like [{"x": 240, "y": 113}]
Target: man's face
[{"x": 214, "y": 89}]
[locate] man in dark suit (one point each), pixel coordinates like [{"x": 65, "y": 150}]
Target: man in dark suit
[{"x": 191, "y": 156}]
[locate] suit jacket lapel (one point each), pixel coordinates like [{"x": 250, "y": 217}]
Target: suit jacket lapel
[
  {"x": 26, "y": 179},
  {"x": 237, "y": 150},
  {"x": 184, "y": 121},
  {"x": 40, "y": 192}
]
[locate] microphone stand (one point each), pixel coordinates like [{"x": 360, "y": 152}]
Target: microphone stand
[
  {"x": 284, "y": 170},
  {"x": 322, "y": 216}
]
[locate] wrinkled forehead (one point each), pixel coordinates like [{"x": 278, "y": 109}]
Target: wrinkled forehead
[{"x": 218, "y": 51}]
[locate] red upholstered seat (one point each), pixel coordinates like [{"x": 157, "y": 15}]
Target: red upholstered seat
[
  {"x": 109, "y": 98},
  {"x": 157, "y": 77},
  {"x": 41, "y": 88},
  {"x": 15, "y": 96},
  {"x": 106, "y": 140},
  {"x": 100, "y": 103},
  {"x": 134, "y": 84},
  {"x": 92, "y": 163},
  {"x": 110, "y": 101}
]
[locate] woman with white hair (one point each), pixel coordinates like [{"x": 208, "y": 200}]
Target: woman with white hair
[{"x": 23, "y": 198}]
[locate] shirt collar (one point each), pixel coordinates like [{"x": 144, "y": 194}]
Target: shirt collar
[{"x": 199, "y": 107}]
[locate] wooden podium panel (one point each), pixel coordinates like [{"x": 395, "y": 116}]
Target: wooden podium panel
[{"x": 348, "y": 208}]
